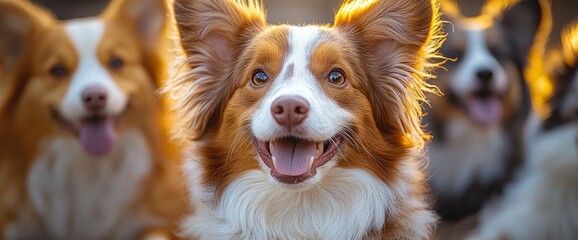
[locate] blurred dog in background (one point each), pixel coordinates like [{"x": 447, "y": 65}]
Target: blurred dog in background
[
  {"x": 83, "y": 151},
  {"x": 542, "y": 201},
  {"x": 476, "y": 125}
]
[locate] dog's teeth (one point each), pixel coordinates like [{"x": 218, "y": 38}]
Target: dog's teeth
[
  {"x": 311, "y": 160},
  {"x": 319, "y": 148},
  {"x": 274, "y": 159}
]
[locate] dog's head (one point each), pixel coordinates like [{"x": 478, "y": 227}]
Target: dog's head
[
  {"x": 85, "y": 78},
  {"x": 294, "y": 101},
  {"x": 562, "y": 70},
  {"x": 485, "y": 83}
]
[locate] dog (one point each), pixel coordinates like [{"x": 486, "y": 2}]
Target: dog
[
  {"x": 305, "y": 132},
  {"x": 540, "y": 203},
  {"x": 476, "y": 125},
  {"x": 84, "y": 152}
]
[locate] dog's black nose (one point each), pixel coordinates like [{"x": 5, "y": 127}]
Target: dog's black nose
[
  {"x": 94, "y": 98},
  {"x": 485, "y": 75},
  {"x": 290, "y": 111}
]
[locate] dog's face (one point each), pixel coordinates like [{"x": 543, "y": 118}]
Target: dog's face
[
  {"x": 302, "y": 102},
  {"x": 485, "y": 83},
  {"x": 294, "y": 102},
  {"x": 563, "y": 72},
  {"x": 84, "y": 78}
]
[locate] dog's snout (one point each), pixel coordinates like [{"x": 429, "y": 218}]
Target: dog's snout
[
  {"x": 290, "y": 111},
  {"x": 485, "y": 75},
  {"x": 94, "y": 98}
]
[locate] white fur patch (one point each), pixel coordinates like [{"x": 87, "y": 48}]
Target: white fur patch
[
  {"x": 346, "y": 204},
  {"x": 325, "y": 118},
  {"x": 477, "y": 57},
  {"x": 85, "y": 36},
  {"x": 469, "y": 153},
  {"x": 542, "y": 202},
  {"x": 78, "y": 196}
]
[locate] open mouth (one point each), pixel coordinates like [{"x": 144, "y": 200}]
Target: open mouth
[
  {"x": 484, "y": 107},
  {"x": 96, "y": 133},
  {"x": 293, "y": 160}
]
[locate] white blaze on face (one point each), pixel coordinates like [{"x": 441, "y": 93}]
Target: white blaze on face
[
  {"x": 325, "y": 118},
  {"x": 477, "y": 57},
  {"x": 97, "y": 136},
  {"x": 86, "y": 36},
  {"x": 477, "y": 71}
]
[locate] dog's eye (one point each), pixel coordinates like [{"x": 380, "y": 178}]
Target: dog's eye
[
  {"x": 259, "y": 78},
  {"x": 115, "y": 63},
  {"x": 58, "y": 70},
  {"x": 336, "y": 77},
  {"x": 499, "y": 54}
]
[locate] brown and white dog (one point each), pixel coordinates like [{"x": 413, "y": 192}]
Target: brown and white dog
[
  {"x": 306, "y": 132},
  {"x": 83, "y": 152},
  {"x": 542, "y": 202},
  {"x": 476, "y": 125}
]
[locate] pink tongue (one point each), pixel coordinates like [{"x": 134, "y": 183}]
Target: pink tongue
[
  {"x": 98, "y": 137},
  {"x": 292, "y": 156},
  {"x": 485, "y": 111}
]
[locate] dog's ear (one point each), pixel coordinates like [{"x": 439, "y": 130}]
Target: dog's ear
[
  {"x": 212, "y": 35},
  {"x": 18, "y": 22},
  {"x": 146, "y": 18},
  {"x": 396, "y": 40},
  {"x": 450, "y": 8},
  {"x": 147, "y": 21},
  {"x": 522, "y": 22}
]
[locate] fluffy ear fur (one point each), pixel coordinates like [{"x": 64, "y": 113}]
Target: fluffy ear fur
[
  {"x": 397, "y": 40},
  {"x": 450, "y": 9},
  {"x": 146, "y": 17},
  {"x": 19, "y": 21},
  {"x": 521, "y": 24},
  {"x": 212, "y": 35}
]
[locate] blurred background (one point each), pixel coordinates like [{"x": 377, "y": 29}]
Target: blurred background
[{"x": 305, "y": 11}]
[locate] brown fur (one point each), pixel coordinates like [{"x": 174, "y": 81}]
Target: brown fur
[
  {"x": 385, "y": 48},
  {"x": 25, "y": 105}
]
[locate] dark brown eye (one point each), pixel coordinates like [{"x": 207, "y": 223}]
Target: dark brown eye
[
  {"x": 59, "y": 71},
  {"x": 259, "y": 78},
  {"x": 115, "y": 63},
  {"x": 336, "y": 77}
]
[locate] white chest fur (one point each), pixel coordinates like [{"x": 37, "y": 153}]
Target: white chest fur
[
  {"x": 468, "y": 154},
  {"x": 346, "y": 204},
  {"x": 83, "y": 197}
]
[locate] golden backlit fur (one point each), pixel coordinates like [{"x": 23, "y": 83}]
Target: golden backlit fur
[
  {"x": 385, "y": 61},
  {"x": 32, "y": 42}
]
